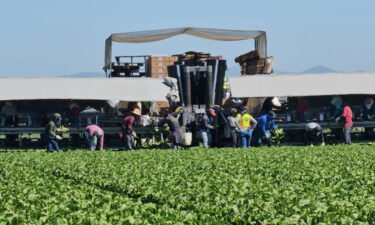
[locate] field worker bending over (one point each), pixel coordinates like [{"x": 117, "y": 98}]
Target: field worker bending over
[
  {"x": 176, "y": 133},
  {"x": 50, "y": 135},
  {"x": 262, "y": 133},
  {"x": 247, "y": 125},
  {"x": 93, "y": 133},
  {"x": 313, "y": 133}
]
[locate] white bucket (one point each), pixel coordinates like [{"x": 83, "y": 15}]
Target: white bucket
[{"x": 188, "y": 138}]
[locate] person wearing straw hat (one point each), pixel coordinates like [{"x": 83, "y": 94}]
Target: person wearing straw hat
[{"x": 127, "y": 128}]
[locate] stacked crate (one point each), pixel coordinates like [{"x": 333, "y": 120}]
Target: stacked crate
[
  {"x": 158, "y": 65},
  {"x": 158, "y": 68},
  {"x": 251, "y": 63},
  {"x": 253, "y": 67},
  {"x": 194, "y": 58}
]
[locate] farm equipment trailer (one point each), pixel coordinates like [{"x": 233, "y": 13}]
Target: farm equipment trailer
[
  {"x": 196, "y": 77},
  {"x": 195, "y": 81}
]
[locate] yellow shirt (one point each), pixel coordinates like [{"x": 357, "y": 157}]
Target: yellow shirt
[{"x": 245, "y": 121}]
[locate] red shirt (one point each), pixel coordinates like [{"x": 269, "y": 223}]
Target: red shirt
[
  {"x": 348, "y": 115},
  {"x": 127, "y": 123}
]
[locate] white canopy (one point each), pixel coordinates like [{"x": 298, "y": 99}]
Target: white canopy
[
  {"x": 209, "y": 33},
  {"x": 303, "y": 84},
  {"x": 124, "y": 89}
]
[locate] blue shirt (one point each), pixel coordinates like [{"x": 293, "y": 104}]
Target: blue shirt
[{"x": 265, "y": 123}]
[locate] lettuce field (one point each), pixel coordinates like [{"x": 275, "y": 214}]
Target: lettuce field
[{"x": 280, "y": 185}]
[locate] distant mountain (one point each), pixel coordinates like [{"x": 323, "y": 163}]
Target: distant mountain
[
  {"x": 319, "y": 69},
  {"x": 85, "y": 75}
]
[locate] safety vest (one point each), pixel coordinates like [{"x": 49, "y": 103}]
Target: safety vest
[
  {"x": 245, "y": 121},
  {"x": 226, "y": 84}
]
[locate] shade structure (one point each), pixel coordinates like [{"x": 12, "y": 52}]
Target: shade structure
[
  {"x": 208, "y": 33},
  {"x": 290, "y": 85},
  {"x": 123, "y": 89}
]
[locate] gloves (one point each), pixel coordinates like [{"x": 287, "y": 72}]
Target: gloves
[
  {"x": 58, "y": 137},
  {"x": 134, "y": 134},
  {"x": 64, "y": 129},
  {"x": 268, "y": 135},
  {"x": 337, "y": 119}
]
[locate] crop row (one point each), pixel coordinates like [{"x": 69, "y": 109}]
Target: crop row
[
  {"x": 31, "y": 196},
  {"x": 287, "y": 185}
]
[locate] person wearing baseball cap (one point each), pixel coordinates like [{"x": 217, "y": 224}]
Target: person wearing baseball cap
[
  {"x": 234, "y": 126},
  {"x": 50, "y": 135},
  {"x": 247, "y": 125}
]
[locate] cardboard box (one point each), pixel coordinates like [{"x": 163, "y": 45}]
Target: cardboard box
[
  {"x": 159, "y": 75},
  {"x": 173, "y": 58},
  {"x": 159, "y": 70},
  {"x": 158, "y": 65}
]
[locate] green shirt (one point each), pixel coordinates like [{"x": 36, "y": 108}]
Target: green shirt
[{"x": 51, "y": 129}]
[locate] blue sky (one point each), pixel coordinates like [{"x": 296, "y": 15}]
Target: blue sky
[{"x": 52, "y": 38}]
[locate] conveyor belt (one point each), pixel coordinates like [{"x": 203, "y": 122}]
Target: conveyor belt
[
  {"x": 74, "y": 130},
  {"x": 301, "y": 126}
]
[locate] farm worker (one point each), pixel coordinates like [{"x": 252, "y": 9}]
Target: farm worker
[
  {"x": 176, "y": 134},
  {"x": 220, "y": 122},
  {"x": 50, "y": 133},
  {"x": 9, "y": 118},
  {"x": 234, "y": 126},
  {"x": 205, "y": 127},
  {"x": 368, "y": 109},
  {"x": 313, "y": 133},
  {"x": 335, "y": 107},
  {"x": 127, "y": 128},
  {"x": 266, "y": 122},
  {"x": 8, "y": 112},
  {"x": 347, "y": 115},
  {"x": 93, "y": 133},
  {"x": 247, "y": 125}
]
